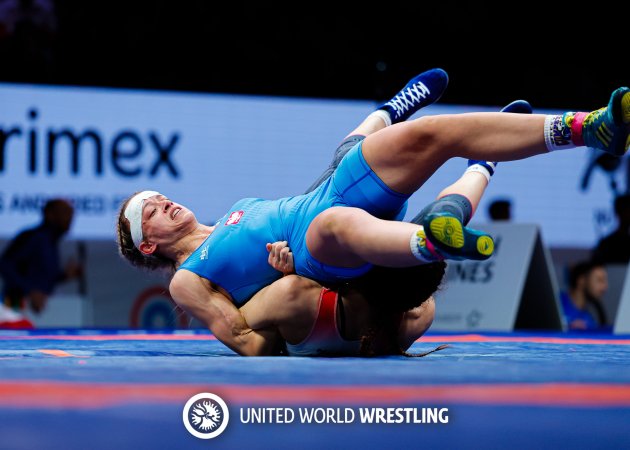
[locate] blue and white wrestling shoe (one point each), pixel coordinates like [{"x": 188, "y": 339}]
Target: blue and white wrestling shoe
[{"x": 421, "y": 91}]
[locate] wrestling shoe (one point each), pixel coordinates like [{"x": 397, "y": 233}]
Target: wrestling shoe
[
  {"x": 421, "y": 91},
  {"x": 452, "y": 240},
  {"x": 605, "y": 129}
]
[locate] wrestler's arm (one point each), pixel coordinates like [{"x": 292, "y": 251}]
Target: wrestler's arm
[
  {"x": 220, "y": 315},
  {"x": 289, "y": 305}
]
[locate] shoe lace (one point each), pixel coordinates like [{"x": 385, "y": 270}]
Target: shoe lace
[{"x": 408, "y": 97}]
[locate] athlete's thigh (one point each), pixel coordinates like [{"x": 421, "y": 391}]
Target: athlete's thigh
[{"x": 404, "y": 156}]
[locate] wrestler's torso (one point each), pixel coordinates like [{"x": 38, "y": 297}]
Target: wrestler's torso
[{"x": 234, "y": 256}]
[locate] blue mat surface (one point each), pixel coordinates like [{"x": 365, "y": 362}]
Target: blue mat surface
[{"x": 109, "y": 389}]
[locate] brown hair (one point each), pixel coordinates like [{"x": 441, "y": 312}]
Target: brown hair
[
  {"x": 128, "y": 250},
  {"x": 391, "y": 292}
]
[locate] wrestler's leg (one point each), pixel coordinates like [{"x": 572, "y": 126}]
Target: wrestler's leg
[
  {"x": 337, "y": 237},
  {"x": 444, "y": 221},
  {"x": 420, "y": 91},
  {"x": 410, "y": 152},
  {"x": 405, "y": 155},
  {"x": 461, "y": 198},
  {"x": 351, "y": 237}
]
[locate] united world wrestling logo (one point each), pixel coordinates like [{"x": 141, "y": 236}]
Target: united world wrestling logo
[{"x": 205, "y": 415}]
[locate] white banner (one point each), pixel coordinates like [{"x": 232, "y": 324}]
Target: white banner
[{"x": 97, "y": 146}]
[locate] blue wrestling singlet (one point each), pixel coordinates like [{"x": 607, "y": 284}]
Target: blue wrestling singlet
[{"x": 234, "y": 255}]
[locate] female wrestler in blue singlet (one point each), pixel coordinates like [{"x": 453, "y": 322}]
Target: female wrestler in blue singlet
[{"x": 337, "y": 233}]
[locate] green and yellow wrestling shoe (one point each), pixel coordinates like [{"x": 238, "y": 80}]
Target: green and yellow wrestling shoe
[
  {"x": 455, "y": 241},
  {"x": 605, "y": 129}
]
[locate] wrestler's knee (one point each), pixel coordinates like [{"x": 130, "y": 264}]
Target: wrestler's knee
[
  {"x": 337, "y": 223},
  {"x": 299, "y": 300},
  {"x": 294, "y": 284}
]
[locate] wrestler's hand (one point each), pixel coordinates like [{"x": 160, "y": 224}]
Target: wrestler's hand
[{"x": 281, "y": 257}]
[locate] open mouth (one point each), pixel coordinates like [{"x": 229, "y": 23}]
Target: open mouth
[{"x": 175, "y": 212}]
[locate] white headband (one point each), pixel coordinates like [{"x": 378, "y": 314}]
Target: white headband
[{"x": 133, "y": 213}]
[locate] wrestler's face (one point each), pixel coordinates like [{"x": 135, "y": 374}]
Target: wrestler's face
[{"x": 164, "y": 221}]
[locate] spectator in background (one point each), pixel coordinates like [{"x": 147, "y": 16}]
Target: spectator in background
[
  {"x": 500, "y": 210},
  {"x": 30, "y": 266},
  {"x": 582, "y": 304},
  {"x": 615, "y": 248}
]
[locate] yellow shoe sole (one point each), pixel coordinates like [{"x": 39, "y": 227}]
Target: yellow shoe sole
[{"x": 448, "y": 231}]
